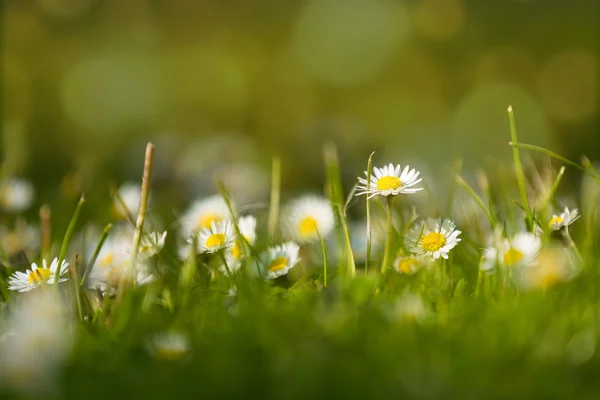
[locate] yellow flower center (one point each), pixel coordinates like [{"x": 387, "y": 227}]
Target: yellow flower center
[
  {"x": 107, "y": 260},
  {"x": 39, "y": 275},
  {"x": 308, "y": 226},
  {"x": 512, "y": 256},
  {"x": 556, "y": 220},
  {"x": 215, "y": 240},
  {"x": 408, "y": 265},
  {"x": 204, "y": 221},
  {"x": 278, "y": 264},
  {"x": 388, "y": 183},
  {"x": 170, "y": 354},
  {"x": 433, "y": 241}
]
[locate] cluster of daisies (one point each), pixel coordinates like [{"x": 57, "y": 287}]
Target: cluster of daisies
[{"x": 207, "y": 227}]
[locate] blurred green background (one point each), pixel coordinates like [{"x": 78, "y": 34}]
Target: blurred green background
[{"x": 226, "y": 84}]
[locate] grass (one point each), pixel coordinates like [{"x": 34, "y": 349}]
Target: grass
[{"x": 448, "y": 331}]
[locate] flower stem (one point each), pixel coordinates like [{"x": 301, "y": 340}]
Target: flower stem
[
  {"x": 324, "y": 258},
  {"x": 390, "y": 232},
  {"x": 519, "y": 169}
]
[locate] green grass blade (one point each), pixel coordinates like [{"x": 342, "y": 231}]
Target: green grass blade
[
  {"x": 94, "y": 257},
  {"x": 463, "y": 184},
  {"x": 65, "y": 243},
  {"x": 519, "y": 168},
  {"x": 368, "y": 205}
]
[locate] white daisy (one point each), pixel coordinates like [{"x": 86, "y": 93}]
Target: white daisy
[
  {"x": 407, "y": 265},
  {"x": 308, "y": 215},
  {"x": 36, "y": 276},
  {"x": 277, "y": 261},
  {"x": 553, "y": 266},
  {"x": 40, "y": 341},
  {"x": 389, "y": 181},
  {"x": 202, "y": 214},
  {"x": 113, "y": 259},
  {"x": 153, "y": 243},
  {"x": 220, "y": 236},
  {"x": 131, "y": 194},
  {"x": 409, "y": 307},
  {"x": 16, "y": 195},
  {"x": 565, "y": 219},
  {"x": 520, "y": 251},
  {"x": 169, "y": 346},
  {"x": 247, "y": 226},
  {"x": 434, "y": 238}
]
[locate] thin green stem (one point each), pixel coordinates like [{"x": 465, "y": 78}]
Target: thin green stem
[
  {"x": 228, "y": 271},
  {"x": 97, "y": 250},
  {"x": 130, "y": 271},
  {"x": 462, "y": 183},
  {"x": 368, "y": 204},
  {"x": 67, "y": 238},
  {"x": 390, "y": 234},
  {"x": 323, "y": 248},
  {"x": 552, "y": 154},
  {"x": 519, "y": 169}
]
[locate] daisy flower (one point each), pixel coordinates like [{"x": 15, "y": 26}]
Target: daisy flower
[
  {"x": 407, "y": 265},
  {"x": 553, "y": 266},
  {"x": 40, "y": 342},
  {"x": 434, "y": 238},
  {"x": 16, "y": 195},
  {"x": 277, "y": 261},
  {"x": 307, "y": 216},
  {"x": 565, "y": 219},
  {"x": 113, "y": 259},
  {"x": 36, "y": 276},
  {"x": 219, "y": 236},
  {"x": 409, "y": 307},
  {"x": 153, "y": 243},
  {"x": 520, "y": 251},
  {"x": 202, "y": 214},
  {"x": 247, "y": 226},
  {"x": 389, "y": 181},
  {"x": 169, "y": 346}
]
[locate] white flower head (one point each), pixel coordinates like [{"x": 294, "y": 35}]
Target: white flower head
[
  {"x": 389, "y": 181},
  {"x": 37, "y": 276},
  {"x": 131, "y": 194},
  {"x": 553, "y": 266},
  {"x": 565, "y": 219},
  {"x": 219, "y": 236},
  {"x": 16, "y": 195},
  {"x": 409, "y": 307},
  {"x": 308, "y": 215},
  {"x": 113, "y": 260},
  {"x": 202, "y": 214},
  {"x": 40, "y": 341},
  {"x": 408, "y": 265},
  {"x": 277, "y": 261},
  {"x": 169, "y": 346},
  {"x": 520, "y": 251},
  {"x": 434, "y": 238},
  {"x": 153, "y": 243},
  {"x": 234, "y": 255}
]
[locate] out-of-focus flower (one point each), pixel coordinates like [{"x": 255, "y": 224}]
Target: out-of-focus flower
[
  {"x": 409, "y": 307},
  {"x": 434, "y": 238},
  {"x": 407, "y": 265},
  {"x": 40, "y": 341},
  {"x": 520, "y": 251},
  {"x": 247, "y": 226},
  {"x": 171, "y": 346},
  {"x": 219, "y": 236},
  {"x": 24, "y": 237},
  {"x": 37, "y": 276},
  {"x": 277, "y": 261},
  {"x": 389, "y": 181},
  {"x": 309, "y": 217},
  {"x": 152, "y": 243},
  {"x": 130, "y": 194},
  {"x": 202, "y": 214},
  {"x": 553, "y": 266},
  {"x": 563, "y": 220},
  {"x": 16, "y": 195},
  {"x": 113, "y": 260}
]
